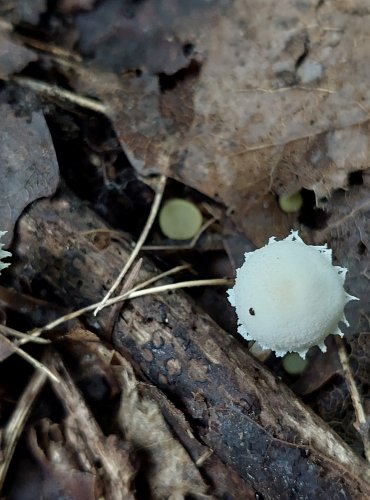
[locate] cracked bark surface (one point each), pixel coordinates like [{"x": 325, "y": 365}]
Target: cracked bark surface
[{"x": 261, "y": 434}]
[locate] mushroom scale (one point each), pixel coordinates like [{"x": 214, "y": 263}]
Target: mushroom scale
[
  {"x": 3, "y": 254},
  {"x": 288, "y": 296}
]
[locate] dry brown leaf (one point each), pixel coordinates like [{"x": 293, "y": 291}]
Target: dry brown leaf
[
  {"x": 276, "y": 99},
  {"x": 321, "y": 369},
  {"x": 13, "y": 56},
  {"x": 348, "y": 233},
  {"x": 90, "y": 360},
  {"x": 146, "y": 30},
  {"x": 172, "y": 472},
  {"x": 106, "y": 456},
  {"x": 28, "y": 164},
  {"x": 60, "y": 474}
]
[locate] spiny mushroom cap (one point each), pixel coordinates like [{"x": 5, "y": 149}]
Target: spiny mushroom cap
[
  {"x": 288, "y": 296},
  {"x": 3, "y": 253}
]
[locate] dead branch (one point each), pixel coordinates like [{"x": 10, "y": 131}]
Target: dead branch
[{"x": 252, "y": 422}]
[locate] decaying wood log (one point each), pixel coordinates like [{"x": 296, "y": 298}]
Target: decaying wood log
[{"x": 234, "y": 405}]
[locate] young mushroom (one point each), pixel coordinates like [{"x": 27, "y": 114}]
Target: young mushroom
[{"x": 289, "y": 297}]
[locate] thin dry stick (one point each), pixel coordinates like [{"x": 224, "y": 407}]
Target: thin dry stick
[
  {"x": 18, "y": 419},
  {"x": 286, "y": 89},
  {"x": 158, "y": 277},
  {"x": 63, "y": 95},
  {"x": 132, "y": 295},
  {"x": 362, "y": 425},
  {"x": 6, "y": 330},
  {"x": 127, "y": 286},
  {"x": 32, "y": 361},
  {"x": 131, "y": 277},
  {"x": 173, "y": 286},
  {"x": 63, "y": 319},
  {"x": 153, "y": 212},
  {"x": 54, "y": 50}
]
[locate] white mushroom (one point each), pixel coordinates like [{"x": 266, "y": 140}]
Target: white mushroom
[
  {"x": 288, "y": 296},
  {"x": 3, "y": 253}
]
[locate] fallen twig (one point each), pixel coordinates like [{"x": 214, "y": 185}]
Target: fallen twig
[
  {"x": 132, "y": 295},
  {"x": 362, "y": 424},
  {"x": 153, "y": 213}
]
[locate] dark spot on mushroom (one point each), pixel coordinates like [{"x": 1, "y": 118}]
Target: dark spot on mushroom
[{"x": 251, "y": 311}]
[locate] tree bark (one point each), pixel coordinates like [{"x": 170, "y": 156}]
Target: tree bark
[{"x": 256, "y": 426}]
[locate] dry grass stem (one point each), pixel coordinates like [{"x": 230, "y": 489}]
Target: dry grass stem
[
  {"x": 131, "y": 277},
  {"x": 6, "y": 330},
  {"x": 54, "y": 92},
  {"x": 173, "y": 286},
  {"x": 287, "y": 89},
  {"x": 126, "y": 286},
  {"x": 55, "y": 51},
  {"x": 153, "y": 213},
  {"x": 131, "y": 295},
  {"x": 16, "y": 424},
  {"x": 362, "y": 424},
  {"x": 32, "y": 361},
  {"x": 160, "y": 276}
]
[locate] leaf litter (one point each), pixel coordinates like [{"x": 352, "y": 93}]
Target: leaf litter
[
  {"x": 243, "y": 104},
  {"x": 28, "y": 177},
  {"x": 228, "y": 144}
]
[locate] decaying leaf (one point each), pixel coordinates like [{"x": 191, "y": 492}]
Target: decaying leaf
[
  {"x": 104, "y": 456},
  {"x": 321, "y": 369},
  {"x": 348, "y": 231},
  {"x": 171, "y": 470},
  {"x": 148, "y": 31},
  {"x": 244, "y": 101},
  {"x": 275, "y": 100},
  {"x": 59, "y": 464},
  {"x": 28, "y": 165},
  {"x": 13, "y": 55}
]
